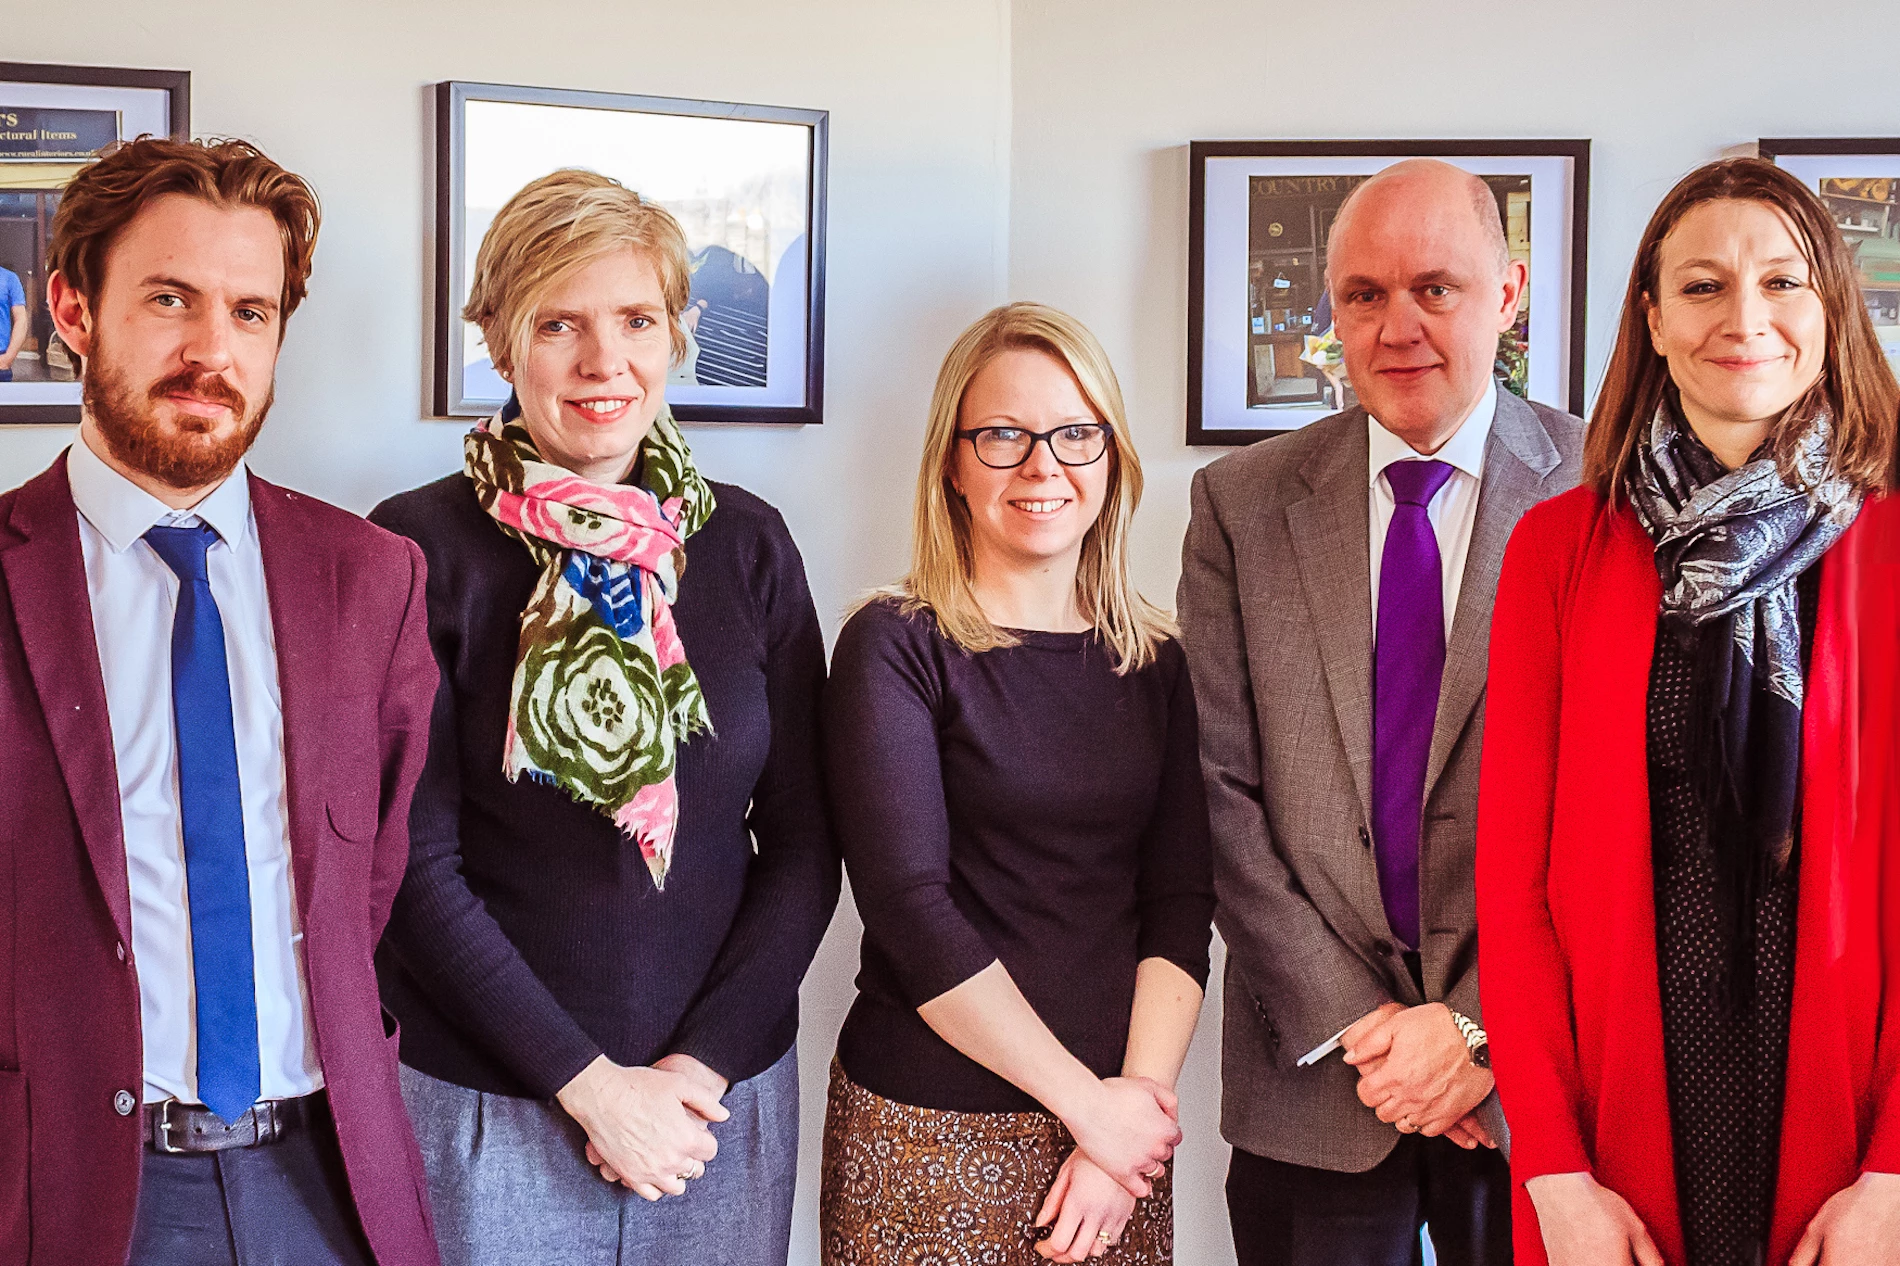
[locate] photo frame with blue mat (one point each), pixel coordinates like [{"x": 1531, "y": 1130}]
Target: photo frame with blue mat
[{"x": 746, "y": 183}]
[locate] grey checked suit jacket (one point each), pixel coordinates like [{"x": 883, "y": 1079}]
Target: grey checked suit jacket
[{"x": 1276, "y": 615}]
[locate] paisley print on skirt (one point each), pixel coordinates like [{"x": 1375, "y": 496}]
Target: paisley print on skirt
[{"x": 905, "y": 1186}]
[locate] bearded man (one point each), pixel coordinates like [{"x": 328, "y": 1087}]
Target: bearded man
[{"x": 214, "y": 703}]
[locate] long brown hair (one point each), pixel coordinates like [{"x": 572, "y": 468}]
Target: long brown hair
[
  {"x": 941, "y": 552},
  {"x": 1856, "y": 383}
]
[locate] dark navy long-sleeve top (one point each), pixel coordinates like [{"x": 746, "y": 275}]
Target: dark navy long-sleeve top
[
  {"x": 528, "y": 937},
  {"x": 1026, "y": 805}
]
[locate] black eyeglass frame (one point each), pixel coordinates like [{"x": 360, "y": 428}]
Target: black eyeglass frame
[{"x": 1042, "y": 437}]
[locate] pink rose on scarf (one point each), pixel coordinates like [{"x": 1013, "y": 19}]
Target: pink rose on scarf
[{"x": 619, "y": 523}]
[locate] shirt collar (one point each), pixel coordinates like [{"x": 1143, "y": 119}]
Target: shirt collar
[
  {"x": 1463, "y": 451},
  {"x": 122, "y": 512}
]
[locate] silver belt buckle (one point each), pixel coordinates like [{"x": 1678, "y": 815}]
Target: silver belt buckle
[{"x": 161, "y": 1136}]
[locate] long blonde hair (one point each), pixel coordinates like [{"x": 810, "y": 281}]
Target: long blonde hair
[{"x": 942, "y": 557}]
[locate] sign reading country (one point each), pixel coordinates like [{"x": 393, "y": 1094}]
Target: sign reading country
[{"x": 30, "y": 134}]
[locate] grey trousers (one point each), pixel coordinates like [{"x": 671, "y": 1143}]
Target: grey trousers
[
  {"x": 511, "y": 1185},
  {"x": 284, "y": 1204}
]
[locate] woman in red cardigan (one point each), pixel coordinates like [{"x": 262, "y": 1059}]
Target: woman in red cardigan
[{"x": 1689, "y": 822}]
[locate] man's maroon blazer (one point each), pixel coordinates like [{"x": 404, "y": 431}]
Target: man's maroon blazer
[{"x": 357, "y": 682}]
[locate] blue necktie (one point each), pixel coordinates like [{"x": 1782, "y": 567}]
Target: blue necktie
[
  {"x": 217, "y": 878},
  {"x": 1408, "y": 663}
]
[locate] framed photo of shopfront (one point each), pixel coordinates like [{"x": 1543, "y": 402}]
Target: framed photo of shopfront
[
  {"x": 1263, "y": 358},
  {"x": 1859, "y": 181},
  {"x": 747, "y": 184},
  {"x": 53, "y": 121}
]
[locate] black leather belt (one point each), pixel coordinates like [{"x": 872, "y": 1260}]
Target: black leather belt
[{"x": 173, "y": 1127}]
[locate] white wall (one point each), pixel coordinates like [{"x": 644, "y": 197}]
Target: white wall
[
  {"x": 1109, "y": 92},
  {"x": 979, "y": 149},
  {"x": 919, "y": 101}
]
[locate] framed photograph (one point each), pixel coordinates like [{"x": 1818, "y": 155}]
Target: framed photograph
[
  {"x": 1262, "y": 355},
  {"x": 53, "y": 121},
  {"x": 747, "y": 184},
  {"x": 1859, "y": 180}
]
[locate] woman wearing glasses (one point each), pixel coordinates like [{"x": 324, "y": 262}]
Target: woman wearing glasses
[{"x": 1011, "y": 754}]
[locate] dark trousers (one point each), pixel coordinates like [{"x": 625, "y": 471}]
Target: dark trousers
[
  {"x": 1290, "y": 1215},
  {"x": 284, "y": 1204}
]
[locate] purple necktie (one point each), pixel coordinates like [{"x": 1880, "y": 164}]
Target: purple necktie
[{"x": 1408, "y": 662}]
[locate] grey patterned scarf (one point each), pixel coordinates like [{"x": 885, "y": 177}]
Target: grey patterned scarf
[
  {"x": 1731, "y": 546},
  {"x": 1730, "y": 543}
]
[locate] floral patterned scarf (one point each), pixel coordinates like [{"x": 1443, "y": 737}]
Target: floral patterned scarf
[{"x": 602, "y": 690}]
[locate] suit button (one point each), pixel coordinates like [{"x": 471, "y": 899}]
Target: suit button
[
  {"x": 123, "y": 1103},
  {"x": 121, "y": 950},
  {"x": 1382, "y": 948}
]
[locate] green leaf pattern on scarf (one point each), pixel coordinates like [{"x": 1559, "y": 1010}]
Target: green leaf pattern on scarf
[{"x": 593, "y": 713}]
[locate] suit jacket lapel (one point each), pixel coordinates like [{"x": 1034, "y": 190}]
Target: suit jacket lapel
[
  {"x": 301, "y": 582},
  {"x": 1517, "y": 458},
  {"x": 1331, "y": 534},
  {"x": 46, "y": 578}
]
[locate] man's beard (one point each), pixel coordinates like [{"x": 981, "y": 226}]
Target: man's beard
[{"x": 185, "y": 452}]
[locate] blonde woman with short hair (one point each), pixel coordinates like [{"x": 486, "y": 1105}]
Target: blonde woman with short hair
[
  {"x": 1011, "y": 752},
  {"x": 620, "y": 863}
]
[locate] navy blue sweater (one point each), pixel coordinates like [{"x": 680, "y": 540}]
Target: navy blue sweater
[
  {"x": 1025, "y": 805},
  {"x": 528, "y": 937}
]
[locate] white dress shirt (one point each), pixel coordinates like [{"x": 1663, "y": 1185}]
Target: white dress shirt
[
  {"x": 1453, "y": 509},
  {"x": 134, "y": 595}
]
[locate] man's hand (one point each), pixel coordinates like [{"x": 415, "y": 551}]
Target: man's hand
[
  {"x": 1856, "y": 1227},
  {"x": 1470, "y": 1134},
  {"x": 646, "y": 1127},
  {"x": 1368, "y": 1024},
  {"x": 1586, "y": 1224},
  {"x": 1415, "y": 1069},
  {"x": 1082, "y": 1206}
]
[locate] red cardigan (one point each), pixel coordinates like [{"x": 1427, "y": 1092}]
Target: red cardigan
[{"x": 1566, "y": 909}]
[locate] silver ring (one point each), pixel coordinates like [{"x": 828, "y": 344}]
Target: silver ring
[{"x": 1104, "y": 1237}]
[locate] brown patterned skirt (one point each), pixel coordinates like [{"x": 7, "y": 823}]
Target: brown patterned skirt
[{"x": 908, "y": 1186}]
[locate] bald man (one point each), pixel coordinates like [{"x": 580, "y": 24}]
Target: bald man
[{"x": 1335, "y": 604}]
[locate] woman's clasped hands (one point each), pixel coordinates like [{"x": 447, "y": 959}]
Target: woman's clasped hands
[
  {"x": 648, "y": 1128},
  {"x": 1124, "y": 1140}
]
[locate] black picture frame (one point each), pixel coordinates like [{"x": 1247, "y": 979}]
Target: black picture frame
[
  {"x": 451, "y": 373},
  {"x": 34, "y": 223},
  {"x": 1858, "y": 180},
  {"x": 1203, "y": 430},
  {"x": 1776, "y": 148}
]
